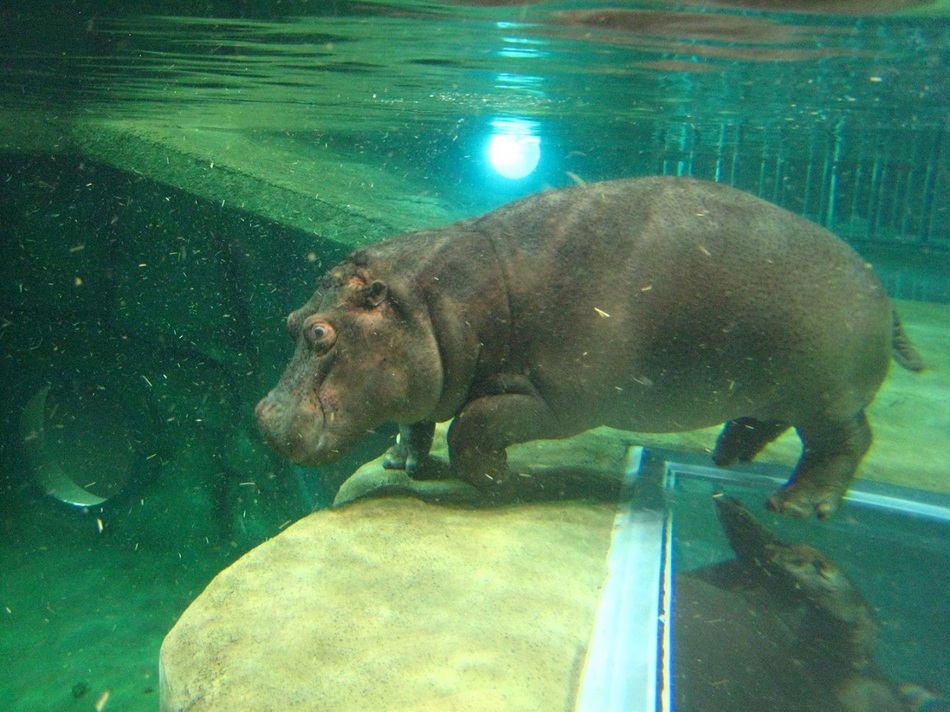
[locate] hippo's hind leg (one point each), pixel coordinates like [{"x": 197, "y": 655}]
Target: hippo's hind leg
[
  {"x": 830, "y": 456},
  {"x": 411, "y": 451},
  {"x": 743, "y": 438},
  {"x": 486, "y": 426}
]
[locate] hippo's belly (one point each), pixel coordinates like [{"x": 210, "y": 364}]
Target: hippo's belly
[{"x": 656, "y": 381}]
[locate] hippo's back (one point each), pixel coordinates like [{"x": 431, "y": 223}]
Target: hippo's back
[{"x": 690, "y": 301}]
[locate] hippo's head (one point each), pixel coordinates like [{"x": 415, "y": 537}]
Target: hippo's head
[{"x": 365, "y": 355}]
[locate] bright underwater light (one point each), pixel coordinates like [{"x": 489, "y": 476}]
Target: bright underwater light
[{"x": 514, "y": 153}]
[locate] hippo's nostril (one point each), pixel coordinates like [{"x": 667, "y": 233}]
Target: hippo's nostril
[{"x": 268, "y": 407}]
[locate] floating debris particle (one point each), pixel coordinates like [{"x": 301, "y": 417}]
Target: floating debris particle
[
  {"x": 576, "y": 178},
  {"x": 103, "y": 699}
]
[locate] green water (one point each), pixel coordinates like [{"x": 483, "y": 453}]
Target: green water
[{"x": 173, "y": 178}]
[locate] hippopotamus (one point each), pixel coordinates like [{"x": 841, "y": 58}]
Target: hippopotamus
[
  {"x": 656, "y": 304},
  {"x": 780, "y": 627}
]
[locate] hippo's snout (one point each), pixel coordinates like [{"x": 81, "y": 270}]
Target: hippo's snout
[
  {"x": 264, "y": 408},
  {"x": 294, "y": 428},
  {"x": 275, "y": 421},
  {"x": 271, "y": 415}
]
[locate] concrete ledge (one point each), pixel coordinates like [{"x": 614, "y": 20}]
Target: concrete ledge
[
  {"x": 394, "y": 604},
  {"x": 305, "y": 187}
]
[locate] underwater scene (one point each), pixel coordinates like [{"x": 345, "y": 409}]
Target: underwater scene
[{"x": 625, "y": 384}]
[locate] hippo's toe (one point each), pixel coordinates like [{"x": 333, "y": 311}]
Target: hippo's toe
[
  {"x": 395, "y": 457},
  {"x": 801, "y": 501}
]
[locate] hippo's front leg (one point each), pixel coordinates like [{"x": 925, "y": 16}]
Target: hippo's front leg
[
  {"x": 486, "y": 426},
  {"x": 411, "y": 451}
]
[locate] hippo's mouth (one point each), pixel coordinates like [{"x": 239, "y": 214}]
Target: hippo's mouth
[
  {"x": 300, "y": 431},
  {"x": 324, "y": 451}
]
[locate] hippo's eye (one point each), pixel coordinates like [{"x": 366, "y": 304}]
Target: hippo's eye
[{"x": 320, "y": 334}]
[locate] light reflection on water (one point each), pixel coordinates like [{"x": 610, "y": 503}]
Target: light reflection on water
[
  {"x": 840, "y": 118},
  {"x": 438, "y": 63}
]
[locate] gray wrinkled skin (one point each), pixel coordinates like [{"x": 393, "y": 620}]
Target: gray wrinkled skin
[{"x": 650, "y": 304}]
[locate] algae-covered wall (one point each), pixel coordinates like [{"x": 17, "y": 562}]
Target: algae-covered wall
[{"x": 112, "y": 281}]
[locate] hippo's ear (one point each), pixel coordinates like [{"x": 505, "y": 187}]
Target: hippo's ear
[{"x": 373, "y": 294}]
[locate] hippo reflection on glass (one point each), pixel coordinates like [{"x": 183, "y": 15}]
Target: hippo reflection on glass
[
  {"x": 650, "y": 304},
  {"x": 781, "y": 627}
]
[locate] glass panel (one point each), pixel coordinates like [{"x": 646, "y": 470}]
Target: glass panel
[{"x": 893, "y": 547}]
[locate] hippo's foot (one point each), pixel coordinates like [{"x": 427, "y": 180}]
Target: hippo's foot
[
  {"x": 489, "y": 475},
  {"x": 743, "y": 438},
  {"x": 486, "y": 470},
  {"x": 395, "y": 457},
  {"x": 801, "y": 501},
  {"x": 831, "y": 456},
  {"x": 428, "y": 468},
  {"x": 417, "y": 467},
  {"x": 411, "y": 452}
]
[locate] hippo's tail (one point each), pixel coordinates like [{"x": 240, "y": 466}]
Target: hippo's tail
[{"x": 902, "y": 349}]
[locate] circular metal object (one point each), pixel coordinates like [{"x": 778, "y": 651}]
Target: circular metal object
[{"x": 78, "y": 443}]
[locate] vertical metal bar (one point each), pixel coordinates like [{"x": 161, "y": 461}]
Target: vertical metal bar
[
  {"x": 858, "y": 177},
  {"x": 737, "y": 146},
  {"x": 873, "y": 199},
  {"x": 697, "y": 143},
  {"x": 909, "y": 183},
  {"x": 823, "y": 193},
  {"x": 808, "y": 171},
  {"x": 833, "y": 178},
  {"x": 885, "y": 171},
  {"x": 666, "y": 620},
  {"x": 927, "y": 199},
  {"x": 763, "y": 158},
  {"x": 719, "y": 149},
  {"x": 683, "y": 148},
  {"x": 778, "y": 185}
]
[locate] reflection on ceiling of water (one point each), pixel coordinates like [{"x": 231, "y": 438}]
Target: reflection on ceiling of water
[
  {"x": 399, "y": 62},
  {"x": 706, "y": 35},
  {"x": 829, "y": 7},
  {"x": 816, "y": 7}
]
